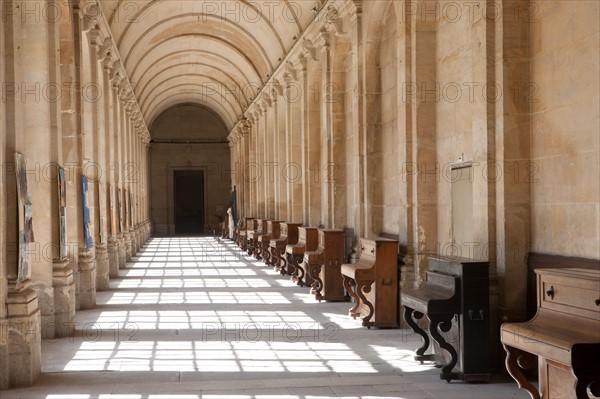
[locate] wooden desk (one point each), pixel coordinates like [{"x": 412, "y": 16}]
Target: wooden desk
[
  {"x": 273, "y": 233},
  {"x": 288, "y": 235},
  {"x": 248, "y": 224},
  {"x": 373, "y": 283},
  {"x": 325, "y": 266},
  {"x": 564, "y": 335},
  {"x": 252, "y": 237},
  {"x": 308, "y": 240}
]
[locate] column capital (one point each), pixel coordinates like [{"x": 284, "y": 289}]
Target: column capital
[
  {"x": 290, "y": 72},
  {"x": 266, "y": 101},
  {"x": 303, "y": 61},
  {"x": 277, "y": 90},
  {"x": 89, "y": 13},
  {"x": 324, "y": 40},
  {"x": 333, "y": 20},
  {"x": 309, "y": 49}
]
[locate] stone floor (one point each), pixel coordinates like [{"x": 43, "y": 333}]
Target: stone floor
[{"x": 192, "y": 318}]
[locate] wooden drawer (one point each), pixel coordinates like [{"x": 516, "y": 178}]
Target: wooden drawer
[
  {"x": 572, "y": 291},
  {"x": 368, "y": 249}
]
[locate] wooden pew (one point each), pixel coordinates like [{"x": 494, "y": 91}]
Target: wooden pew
[
  {"x": 373, "y": 283},
  {"x": 273, "y": 232},
  {"x": 308, "y": 238},
  {"x": 455, "y": 299},
  {"x": 564, "y": 335},
  {"x": 248, "y": 224},
  {"x": 252, "y": 237},
  {"x": 324, "y": 266},
  {"x": 288, "y": 234}
]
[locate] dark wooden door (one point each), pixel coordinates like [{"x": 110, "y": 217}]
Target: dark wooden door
[{"x": 189, "y": 201}]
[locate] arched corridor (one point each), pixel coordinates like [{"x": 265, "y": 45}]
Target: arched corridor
[
  {"x": 194, "y": 318},
  {"x": 392, "y": 154}
]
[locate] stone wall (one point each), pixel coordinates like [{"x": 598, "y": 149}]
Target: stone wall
[
  {"x": 565, "y": 123},
  {"x": 183, "y": 124}
]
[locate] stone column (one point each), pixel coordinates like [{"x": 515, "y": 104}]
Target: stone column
[
  {"x": 359, "y": 193},
  {"x": 259, "y": 156},
  {"x": 33, "y": 140},
  {"x": 282, "y": 203},
  {"x": 109, "y": 67},
  {"x": 423, "y": 139},
  {"x": 89, "y": 94},
  {"x": 101, "y": 49},
  {"x": 311, "y": 132},
  {"x": 126, "y": 160},
  {"x": 119, "y": 129},
  {"x": 293, "y": 145},
  {"x": 4, "y": 369},
  {"x": 326, "y": 139}
]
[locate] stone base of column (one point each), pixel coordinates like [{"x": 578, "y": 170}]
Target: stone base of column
[
  {"x": 24, "y": 335},
  {"x": 122, "y": 252},
  {"x": 4, "y": 369},
  {"x": 134, "y": 241},
  {"x": 140, "y": 235},
  {"x": 102, "y": 269},
  {"x": 64, "y": 298},
  {"x": 145, "y": 232},
  {"x": 45, "y": 300},
  {"x": 113, "y": 257},
  {"x": 128, "y": 248},
  {"x": 149, "y": 228},
  {"x": 87, "y": 279}
]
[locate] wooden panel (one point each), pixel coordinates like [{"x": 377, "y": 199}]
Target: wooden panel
[
  {"x": 570, "y": 291},
  {"x": 561, "y": 378},
  {"x": 545, "y": 261}
]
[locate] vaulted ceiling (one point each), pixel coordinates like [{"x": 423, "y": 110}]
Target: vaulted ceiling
[{"x": 214, "y": 53}]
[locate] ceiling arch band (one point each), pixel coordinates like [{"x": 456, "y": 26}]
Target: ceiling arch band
[{"x": 232, "y": 46}]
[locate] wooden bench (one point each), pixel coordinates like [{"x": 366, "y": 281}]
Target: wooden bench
[
  {"x": 249, "y": 223},
  {"x": 308, "y": 240},
  {"x": 288, "y": 234},
  {"x": 324, "y": 266},
  {"x": 564, "y": 335},
  {"x": 252, "y": 237},
  {"x": 373, "y": 283},
  {"x": 264, "y": 240},
  {"x": 455, "y": 299}
]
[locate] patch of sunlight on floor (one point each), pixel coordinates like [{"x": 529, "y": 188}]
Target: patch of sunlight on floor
[
  {"x": 247, "y": 356},
  {"x": 128, "y": 396},
  {"x": 191, "y": 283},
  {"x": 210, "y": 322},
  {"x": 344, "y": 321},
  {"x": 68, "y": 396},
  {"x": 193, "y": 297},
  {"x": 402, "y": 359}
]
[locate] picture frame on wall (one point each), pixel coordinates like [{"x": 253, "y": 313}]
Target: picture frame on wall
[
  {"x": 126, "y": 210},
  {"x": 102, "y": 212},
  {"x": 112, "y": 210},
  {"x": 25, "y": 216},
  {"x": 62, "y": 213},
  {"x": 87, "y": 227},
  {"x": 120, "y": 208}
]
